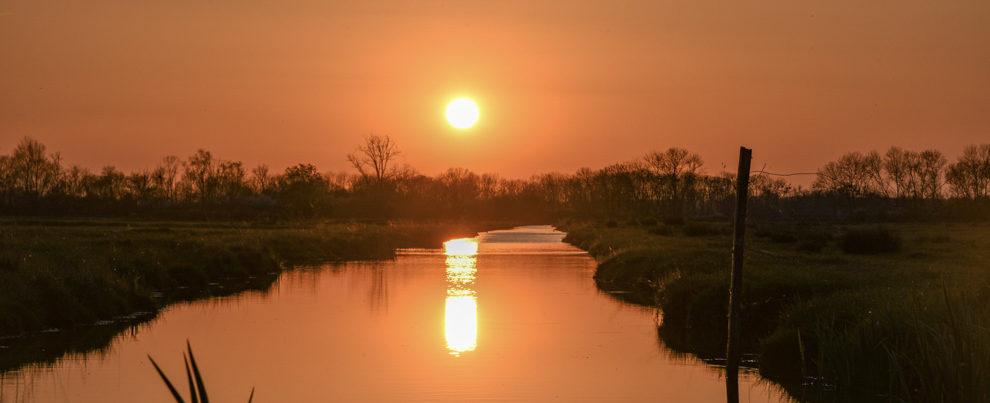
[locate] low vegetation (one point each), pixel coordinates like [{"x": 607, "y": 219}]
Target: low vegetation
[
  {"x": 62, "y": 273},
  {"x": 897, "y": 317}
]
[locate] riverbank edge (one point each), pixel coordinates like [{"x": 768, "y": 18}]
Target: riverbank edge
[
  {"x": 806, "y": 314},
  {"x": 150, "y": 273}
]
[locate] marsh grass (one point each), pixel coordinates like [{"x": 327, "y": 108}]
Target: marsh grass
[
  {"x": 905, "y": 325},
  {"x": 66, "y": 273}
]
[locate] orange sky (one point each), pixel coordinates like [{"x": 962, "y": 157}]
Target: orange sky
[{"x": 560, "y": 84}]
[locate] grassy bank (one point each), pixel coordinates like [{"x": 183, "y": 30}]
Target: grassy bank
[
  {"x": 63, "y": 273},
  {"x": 899, "y": 312}
]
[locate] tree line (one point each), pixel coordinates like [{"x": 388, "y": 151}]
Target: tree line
[
  {"x": 670, "y": 185},
  {"x": 909, "y": 174}
]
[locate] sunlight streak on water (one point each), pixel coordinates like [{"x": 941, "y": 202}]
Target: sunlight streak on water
[
  {"x": 461, "y": 324},
  {"x": 461, "y": 306}
]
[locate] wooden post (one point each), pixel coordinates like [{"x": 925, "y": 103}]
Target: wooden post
[{"x": 735, "y": 280}]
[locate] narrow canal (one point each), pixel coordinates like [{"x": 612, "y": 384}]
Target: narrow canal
[{"x": 510, "y": 315}]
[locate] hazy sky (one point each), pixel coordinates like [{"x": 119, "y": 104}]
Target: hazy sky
[{"x": 560, "y": 84}]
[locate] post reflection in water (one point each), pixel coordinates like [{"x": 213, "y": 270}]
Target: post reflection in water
[{"x": 461, "y": 306}]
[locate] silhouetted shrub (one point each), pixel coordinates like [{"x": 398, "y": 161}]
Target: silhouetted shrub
[
  {"x": 703, "y": 229},
  {"x": 811, "y": 245},
  {"x": 648, "y": 222},
  {"x": 8, "y": 263},
  {"x": 935, "y": 239},
  {"x": 776, "y": 232},
  {"x": 611, "y": 224},
  {"x": 941, "y": 239},
  {"x": 783, "y": 237},
  {"x": 661, "y": 230},
  {"x": 869, "y": 241},
  {"x": 813, "y": 242}
]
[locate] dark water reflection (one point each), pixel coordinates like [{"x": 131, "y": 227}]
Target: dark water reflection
[{"x": 508, "y": 316}]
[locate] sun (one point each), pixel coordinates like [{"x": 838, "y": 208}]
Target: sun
[{"x": 462, "y": 113}]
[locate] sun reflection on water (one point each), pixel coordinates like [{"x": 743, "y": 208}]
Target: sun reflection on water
[
  {"x": 461, "y": 307},
  {"x": 461, "y": 247}
]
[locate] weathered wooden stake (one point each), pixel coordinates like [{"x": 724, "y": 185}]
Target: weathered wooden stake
[{"x": 735, "y": 281}]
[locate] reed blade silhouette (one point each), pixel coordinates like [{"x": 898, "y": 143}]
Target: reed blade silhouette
[
  {"x": 175, "y": 393},
  {"x": 199, "y": 380},
  {"x": 197, "y": 388}
]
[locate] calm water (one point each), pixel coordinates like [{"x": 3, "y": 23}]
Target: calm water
[{"x": 508, "y": 316}]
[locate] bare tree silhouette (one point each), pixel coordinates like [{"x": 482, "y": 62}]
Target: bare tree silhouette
[
  {"x": 30, "y": 170},
  {"x": 670, "y": 185},
  {"x": 969, "y": 176},
  {"x": 375, "y": 159}
]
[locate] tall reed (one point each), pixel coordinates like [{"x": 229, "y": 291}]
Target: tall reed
[{"x": 197, "y": 388}]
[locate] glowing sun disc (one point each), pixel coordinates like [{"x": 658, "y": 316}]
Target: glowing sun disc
[{"x": 462, "y": 113}]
